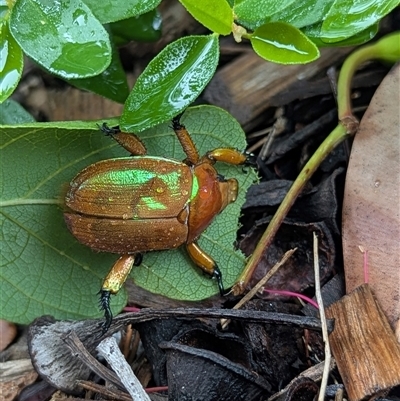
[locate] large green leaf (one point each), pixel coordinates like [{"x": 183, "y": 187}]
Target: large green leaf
[
  {"x": 171, "y": 82},
  {"x": 45, "y": 270},
  {"x": 142, "y": 28},
  {"x": 303, "y": 12},
  {"x": 111, "y": 83},
  {"x": 346, "y": 18},
  {"x": 254, "y": 12},
  {"x": 64, "y": 37},
  {"x": 111, "y": 10},
  {"x": 313, "y": 32},
  {"x": 11, "y": 62}
]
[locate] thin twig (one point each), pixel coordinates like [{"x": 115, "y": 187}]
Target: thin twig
[
  {"x": 105, "y": 391},
  {"x": 109, "y": 349},
  {"x": 318, "y": 297},
  {"x": 261, "y": 283}
]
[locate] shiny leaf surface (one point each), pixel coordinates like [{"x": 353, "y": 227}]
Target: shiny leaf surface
[
  {"x": 111, "y": 83},
  {"x": 111, "y": 10},
  {"x": 144, "y": 28},
  {"x": 12, "y": 112},
  {"x": 217, "y": 16},
  {"x": 171, "y": 81},
  {"x": 63, "y": 37},
  {"x": 303, "y": 12},
  {"x": 346, "y": 18},
  {"x": 11, "y": 63},
  {"x": 313, "y": 32},
  {"x": 254, "y": 12},
  {"x": 282, "y": 43}
]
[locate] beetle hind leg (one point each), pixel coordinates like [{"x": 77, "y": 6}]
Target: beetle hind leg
[
  {"x": 206, "y": 263},
  {"x": 113, "y": 282}
]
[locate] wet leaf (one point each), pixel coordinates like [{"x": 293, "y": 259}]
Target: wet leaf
[
  {"x": 109, "y": 10},
  {"x": 313, "y": 32},
  {"x": 111, "y": 83},
  {"x": 303, "y": 12},
  {"x": 348, "y": 17},
  {"x": 144, "y": 28},
  {"x": 45, "y": 270},
  {"x": 11, "y": 63},
  {"x": 282, "y": 43},
  {"x": 171, "y": 81},
  {"x": 254, "y": 12},
  {"x": 63, "y": 37},
  {"x": 12, "y": 112}
]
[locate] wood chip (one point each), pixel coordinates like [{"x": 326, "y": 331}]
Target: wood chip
[{"x": 363, "y": 344}]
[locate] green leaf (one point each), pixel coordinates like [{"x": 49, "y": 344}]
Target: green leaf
[
  {"x": 111, "y": 10},
  {"x": 64, "y": 37},
  {"x": 111, "y": 83},
  {"x": 217, "y": 16},
  {"x": 12, "y": 112},
  {"x": 171, "y": 81},
  {"x": 303, "y": 12},
  {"x": 144, "y": 28},
  {"x": 282, "y": 43},
  {"x": 11, "y": 63},
  {"x": 45, "y": 270},
  {"x": 313, "y": 32},
  {"x": 40, "y": 273},
  {"x": 254, "y": 12},
  {"x": 348, "y": 17}
]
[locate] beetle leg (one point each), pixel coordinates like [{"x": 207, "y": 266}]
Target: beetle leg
[
  {"x": 130, "y": 142},
  {"x": 186, "y": 141},
  {"x": 113, "y": 283},
  {"x": 206, "y": 263}
]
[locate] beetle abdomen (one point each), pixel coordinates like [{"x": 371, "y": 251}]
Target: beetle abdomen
[
  {"x": 131, "y": 188},
  {"x": 127, "y": 236}
]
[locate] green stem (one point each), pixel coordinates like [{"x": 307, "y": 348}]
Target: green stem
[
  {"x": 387, "y": 49},
  {"x": 334, "y": 138}
]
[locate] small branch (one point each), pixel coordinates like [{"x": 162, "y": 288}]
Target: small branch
[
  {"x": 109, "y": 349},
  {"x": 261, "y": 283},
  {"x": 325, "y": 337},
  {"x": 78, "y": 349},
  {"x": 334, "y": 138},
  {"x": 103, "y": 390}
]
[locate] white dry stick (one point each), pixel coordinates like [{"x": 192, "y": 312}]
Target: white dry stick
[
  {"x": 109, "y": 349},
  {"x": 318, "y": 297}
]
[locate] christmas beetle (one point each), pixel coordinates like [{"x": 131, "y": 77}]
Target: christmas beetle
[{"x": 137, "y": 204}]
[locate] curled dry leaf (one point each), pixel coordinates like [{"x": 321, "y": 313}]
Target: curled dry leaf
[{"x": 371, "y": 210}]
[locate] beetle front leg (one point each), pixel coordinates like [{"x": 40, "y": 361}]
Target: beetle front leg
[
  {"x": 186, "y": 141},
  {"x": 130, "y": 142},
  {"x": 113, "y": 282},
  {"x": 206, "y": 263}
]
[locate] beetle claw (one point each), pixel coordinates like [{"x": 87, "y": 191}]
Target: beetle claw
[
  {"x": 105, "y": 306},
  {"x": 138, "y": 259},
  {"x": 218, "y": 276}
]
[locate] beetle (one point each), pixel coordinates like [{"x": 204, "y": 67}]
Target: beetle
[{"x": 137, "y": 204}]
